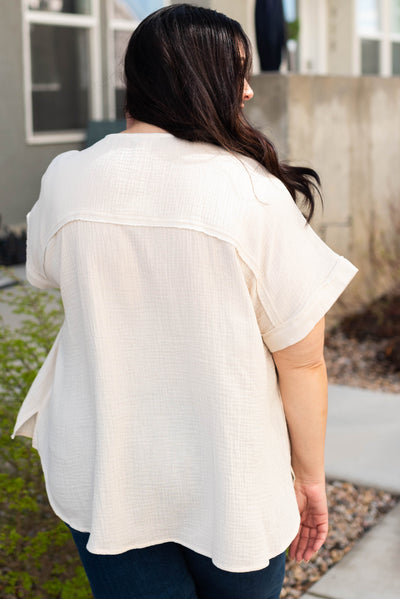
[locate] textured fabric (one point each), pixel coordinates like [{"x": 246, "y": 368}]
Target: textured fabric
[{"x": 157, "y": 414}]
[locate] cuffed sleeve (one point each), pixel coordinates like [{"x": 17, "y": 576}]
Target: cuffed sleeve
[{"x": 300, "y": 278}]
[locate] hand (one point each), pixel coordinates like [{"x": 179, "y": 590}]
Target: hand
[{"x": 311, "y": 499}]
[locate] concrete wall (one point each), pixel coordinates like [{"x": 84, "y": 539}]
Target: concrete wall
[{"x": 348, "y": 129}]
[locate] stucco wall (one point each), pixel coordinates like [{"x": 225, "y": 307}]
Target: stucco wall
[
  {"x": 21, "y": 166},
  {"x": 348, "y": 129}
]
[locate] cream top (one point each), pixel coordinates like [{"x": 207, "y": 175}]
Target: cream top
[{"x": 157, "y": 413}]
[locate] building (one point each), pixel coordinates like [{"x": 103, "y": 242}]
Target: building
[
  {"x": 349, "y": 37},
  {"x": 60, "y": 66}
]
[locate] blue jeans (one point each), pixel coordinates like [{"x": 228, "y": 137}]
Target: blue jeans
[{"x": 171, "y": 571}]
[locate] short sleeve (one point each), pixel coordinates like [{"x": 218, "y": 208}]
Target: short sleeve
[{"x": 300, "y": 276}]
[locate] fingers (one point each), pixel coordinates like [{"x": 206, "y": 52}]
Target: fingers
[
  {"x": 307, "y": 542},
  {"x": 293, "y": 547},
  {"x": 304, "y": 544}
]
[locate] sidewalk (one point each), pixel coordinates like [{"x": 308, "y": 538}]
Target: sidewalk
[
  {"x": 363, "y": 446},
  {"x": 8, "y": 284},
  {"x": 6, "y": 281},
  {"x": 363, "y": 437}
]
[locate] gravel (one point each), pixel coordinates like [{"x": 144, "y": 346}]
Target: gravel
[
  {"x": 353, "y": 509},
  {"x": 360, "y": 363}
]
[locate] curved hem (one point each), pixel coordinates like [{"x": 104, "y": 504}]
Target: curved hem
[
  {"x": 235, "y": 569},
  {"x": 251, "y": 567}
]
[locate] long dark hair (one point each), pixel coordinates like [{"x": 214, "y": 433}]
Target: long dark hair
[{"x": 185, "y": 68}]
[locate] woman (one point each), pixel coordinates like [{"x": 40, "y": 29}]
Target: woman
[{"x": 194, "y": 294}]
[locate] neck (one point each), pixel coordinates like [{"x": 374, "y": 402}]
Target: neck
[{"x": 133, "y": 126}]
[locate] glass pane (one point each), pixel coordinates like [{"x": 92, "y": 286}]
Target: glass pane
[
  {"x": 135, "y": 10},
  {"x": 370, "y": 57},
  {"x": 368, "y": 16},
  {"x": 79, "y": 7},
  {"x": 121, "y": 39},
  {"x": 60, "y": 78},
  {"x": 396, "y": 58},
  {"x": 395, "y": 16}
]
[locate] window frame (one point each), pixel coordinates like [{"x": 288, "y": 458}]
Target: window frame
[
  {"x": 384, "y": 36},
  {"x": 91, "y": 23},
  {"x": 114, "y": 25}
]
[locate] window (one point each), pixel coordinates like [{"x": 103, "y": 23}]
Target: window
[
  {"x": 369, "y": 16},
  {"x": 395, "y": 37},
  {"x": 396, "y": 58},
  {"x": 62, "y": 70},
  {"x": 369, "y": 26},
  {"x": 123, "y": 17},
  {"x": 67, "y": 6},
  {"x": 378, "y": 30},
  {"x": 395, "y": 17},
  {"x": 370, "y": 57}
]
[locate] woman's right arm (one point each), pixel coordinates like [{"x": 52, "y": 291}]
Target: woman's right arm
[{"x": 304, "y": 390}]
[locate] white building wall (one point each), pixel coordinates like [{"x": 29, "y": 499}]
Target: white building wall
[
  {"x": 341, "y": 37},
  {"x": 313, "y": 36},
  {"x": 328, "y": 41},
  {"x": 242, "y": 11},
  {"x": 332, "y": 33}
]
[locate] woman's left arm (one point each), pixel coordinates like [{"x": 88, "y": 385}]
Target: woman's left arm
[{"x": 303, "y": 385}]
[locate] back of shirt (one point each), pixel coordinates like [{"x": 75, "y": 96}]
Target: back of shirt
[{"x": 157, "y": 414}]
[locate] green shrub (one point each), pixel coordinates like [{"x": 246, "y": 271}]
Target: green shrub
[
  {"x": 292, "y": 29},
  {"x": 38, "y": 559}
]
